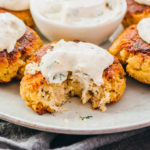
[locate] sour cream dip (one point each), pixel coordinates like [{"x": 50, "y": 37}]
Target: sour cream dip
[
  {"x": 143, "y": 28},
  {"x": 86, "y": 61},
  {"x": 16, "y": 5},
  {"x": 80, "y": 12},
  {"x": 144, "y": 2},
  {"x": 84, "y": 20},
  {"x": 11, "y": 30}
]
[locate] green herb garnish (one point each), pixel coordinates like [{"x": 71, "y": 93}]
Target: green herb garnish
[
  {"x": 87, "y": 117},
  {"x": 54, "y": 77},
  {"x": 85, "y": 74},
  {"x": 61, "y": 76}
]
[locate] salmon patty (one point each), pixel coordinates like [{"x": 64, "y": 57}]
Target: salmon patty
[
  {"x": 12, "y": 64},
  {"x": 135, "y": 13},
  {"x": 44, "y": 97},
  {"x": 134, "y": 53}
]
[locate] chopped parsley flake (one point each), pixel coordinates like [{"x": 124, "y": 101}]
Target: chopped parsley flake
[
  {"x": 85, "y": 74},
  {"x": 54, "y": 77},
  {"x": 61, "y": 76},
  {"x": 87, "y": 117}
]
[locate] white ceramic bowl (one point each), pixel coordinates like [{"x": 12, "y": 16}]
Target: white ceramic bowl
[{"x": 94, "y": 34}]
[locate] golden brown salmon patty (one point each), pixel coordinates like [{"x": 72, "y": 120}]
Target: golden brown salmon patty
[
  {"x": 135, "y": 13},
  {"x": 24, "y": 15},
  {"x": 132, "y": 51},
  {"x": 42, "y": 97},
  {"x": 12, "y": 64}
]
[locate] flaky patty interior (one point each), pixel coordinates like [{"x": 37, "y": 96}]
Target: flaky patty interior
[{"x": 42, "y": 97}]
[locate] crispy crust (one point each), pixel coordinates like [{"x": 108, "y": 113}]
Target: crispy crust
[
  {"x": 12, "y": 64},
  {"x": 133, "y": 52},
  {"x": 39, "y": 95},
  {"x": 135, "y": 12},
  {"x": 25, "y": 16}
]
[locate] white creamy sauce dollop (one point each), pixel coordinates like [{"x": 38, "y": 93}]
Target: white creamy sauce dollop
[
  {"x": 16, "y": 5},
  {"x": 86, "y": 61},
  {"x": 11, "y": 30},
  {"x": 145, "y": 2},
  {"x": 143, "y": 28},
  {"x": 80, "y": 12}
]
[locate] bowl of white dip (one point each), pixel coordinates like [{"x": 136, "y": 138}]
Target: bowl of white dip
[{"x": 85, "y": 20}]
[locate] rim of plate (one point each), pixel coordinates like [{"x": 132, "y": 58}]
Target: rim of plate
[{"x": 68, "y": 130}]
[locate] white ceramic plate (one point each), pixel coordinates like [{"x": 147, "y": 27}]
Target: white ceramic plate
[{"x": 131, "y": 112}]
